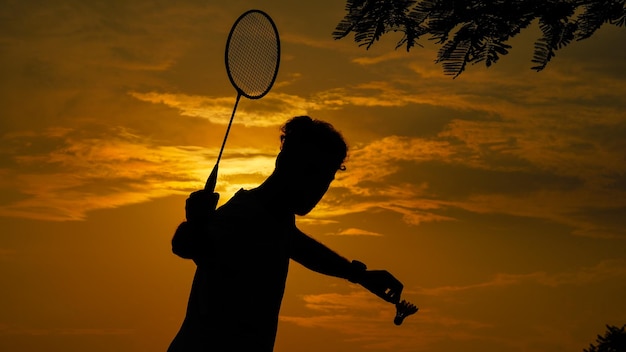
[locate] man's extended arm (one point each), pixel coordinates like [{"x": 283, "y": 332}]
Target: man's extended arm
[{"x": 317, "y": 257}]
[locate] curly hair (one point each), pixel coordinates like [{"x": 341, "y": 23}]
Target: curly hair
[{"x": 311, "y": 141}]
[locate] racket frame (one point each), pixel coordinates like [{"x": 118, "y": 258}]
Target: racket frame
[{"x": 212, "y": 180}]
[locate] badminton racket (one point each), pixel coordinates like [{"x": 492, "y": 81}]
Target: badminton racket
[{"x": 252, "y": 57}]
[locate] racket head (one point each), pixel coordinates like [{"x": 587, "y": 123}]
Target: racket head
[{"x": 252, "y": 54}]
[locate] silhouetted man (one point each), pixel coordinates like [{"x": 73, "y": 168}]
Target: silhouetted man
[{"x": 242, "y": 249}]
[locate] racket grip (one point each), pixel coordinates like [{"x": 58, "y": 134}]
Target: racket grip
[{"x": 211, "y": 181}]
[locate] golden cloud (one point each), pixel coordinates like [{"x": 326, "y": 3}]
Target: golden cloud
[
  {"x": 272, "y": 110},
  {"x": 357, "y": 232},
  {"x": 366, "y": 320},
  {"x": 116, "y": 169},
  {"x": 604, "y": 271}
]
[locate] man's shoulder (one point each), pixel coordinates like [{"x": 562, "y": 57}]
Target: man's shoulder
[
  {"x": 241, "y": 203},
  {"x": 247, "y": 203}
]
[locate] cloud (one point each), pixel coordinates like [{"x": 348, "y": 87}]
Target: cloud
[
  {"x": 359, "y": 315},
  {"x": 312, "y": 42},
  {"x": 423, "y": 178},
  {"x": 357, "y": 232},
  {"x": 446, "y": 314},
  {"x": 392, "y": 55},
  {"x": 272, "y": 110},
  {"x": 606, "y": 270},
  {"x": 367, "y": 321},
  {"x": 413, "y": 208},
  {"x": 277, "y": 107},
  {"x": 75, "y": 173},
  {"x": 561, "y": 207},
  {"x": 7, "y": 330},
  {"x": 120, "y": 35},
  {"x": 523, "y": 127}
]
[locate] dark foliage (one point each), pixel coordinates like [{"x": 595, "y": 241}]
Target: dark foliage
[
  {"x": 473, "y": 31},
  {"x": 614, "y": 340}
]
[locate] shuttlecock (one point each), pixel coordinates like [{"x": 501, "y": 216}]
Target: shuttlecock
[{"x": 403, "y": 310}]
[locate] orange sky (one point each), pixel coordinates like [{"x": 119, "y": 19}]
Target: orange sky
[{"x": 498, "y": 198}]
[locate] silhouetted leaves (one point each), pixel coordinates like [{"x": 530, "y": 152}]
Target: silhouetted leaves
[
  {"x": 473, "y": 31},
  {"x": 614, "y": 340}
]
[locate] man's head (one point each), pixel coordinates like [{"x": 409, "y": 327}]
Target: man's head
[{"x": 311, "y": 153}]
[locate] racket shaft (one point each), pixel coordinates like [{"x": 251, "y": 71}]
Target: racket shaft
[{"x": 212, "y": 180}]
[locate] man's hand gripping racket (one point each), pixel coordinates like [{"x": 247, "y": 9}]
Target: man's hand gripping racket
[{"x": 200, "y": 206}]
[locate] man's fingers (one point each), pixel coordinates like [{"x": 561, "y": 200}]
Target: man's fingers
[
  {"x": 202, "y": 197},
  {"x": 390, "y": 295},
  {"x": 200, "y": 204},
  {"x": 393, "y": 288},
  {"x": 394, "y": 295},
  {"x": 383, "y": 284}
]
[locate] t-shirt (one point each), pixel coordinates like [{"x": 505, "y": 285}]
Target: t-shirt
[{"x": 240, "y": 278}]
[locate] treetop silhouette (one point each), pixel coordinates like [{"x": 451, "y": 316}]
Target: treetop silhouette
[
  {"x": 614, "y": 340},
  {"x": 474, "y": 31}
]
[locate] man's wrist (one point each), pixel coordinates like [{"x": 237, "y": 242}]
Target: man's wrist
[{"x": 357, "y": 271}]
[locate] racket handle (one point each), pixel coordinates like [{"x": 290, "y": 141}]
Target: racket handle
[{"x": 211, "y": 181}]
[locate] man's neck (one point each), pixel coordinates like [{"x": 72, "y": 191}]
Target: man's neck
[{"x": 274, "y": 191}]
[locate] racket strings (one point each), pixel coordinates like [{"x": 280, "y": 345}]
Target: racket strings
[{"x": 253, "y": 55}]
